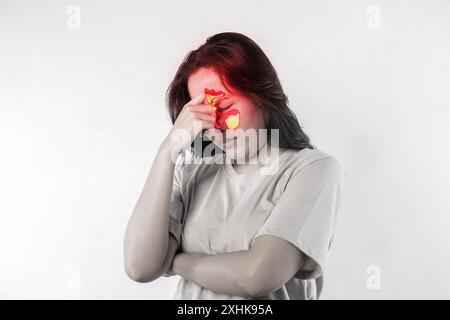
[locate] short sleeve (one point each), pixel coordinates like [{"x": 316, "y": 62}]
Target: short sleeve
[
  {"x": 176, "y": 207},
  {"x": 307, "y": 211}
]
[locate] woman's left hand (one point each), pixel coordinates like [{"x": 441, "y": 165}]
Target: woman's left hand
[{"x": 170, "y": 271}]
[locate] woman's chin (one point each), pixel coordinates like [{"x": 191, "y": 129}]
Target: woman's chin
[{"x": 233, "y": 151}]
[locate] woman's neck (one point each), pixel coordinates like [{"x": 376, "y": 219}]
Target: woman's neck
[{"x": 257, "y": 160}]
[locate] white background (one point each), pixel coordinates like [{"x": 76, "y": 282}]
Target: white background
[{"x": 82, "y": 114}]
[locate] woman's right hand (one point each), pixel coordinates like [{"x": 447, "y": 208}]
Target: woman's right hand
[
  {"x": 148, "y": 247},
  {"x": 193, "y": 118}
]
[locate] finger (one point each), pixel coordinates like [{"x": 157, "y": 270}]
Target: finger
[
  {"x": 218, "y": 100},
  {"x": 204, "y": 125},
  {"x": 197, "y": 99},
  {"x": 204, "y": 116},
  {"x": 203, "y": 108},
  {"x": 208, "y": 124}
]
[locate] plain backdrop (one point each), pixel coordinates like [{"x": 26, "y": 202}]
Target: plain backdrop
[{"x": 82, "y": 113}]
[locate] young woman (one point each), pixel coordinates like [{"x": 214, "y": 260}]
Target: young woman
[{"x": 231, "y": 230}]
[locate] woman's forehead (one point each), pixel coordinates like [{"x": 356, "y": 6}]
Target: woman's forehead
[{"x": 205, "y": 78}]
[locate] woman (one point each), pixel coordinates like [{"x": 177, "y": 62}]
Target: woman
[{"x": 228, "y": 229}]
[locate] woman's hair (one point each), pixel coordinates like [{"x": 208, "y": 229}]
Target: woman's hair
[{"x": 243, "y": 65}]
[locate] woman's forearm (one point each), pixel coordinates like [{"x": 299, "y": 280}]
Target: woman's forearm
[
  {"x": 147, "y": 238},
  {"x": 226, "y": 273}
]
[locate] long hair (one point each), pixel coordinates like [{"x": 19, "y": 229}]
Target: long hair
[{"x": 243, "y": 65}]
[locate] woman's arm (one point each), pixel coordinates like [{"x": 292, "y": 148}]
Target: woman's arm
[
  {"x": 267, "y": 266},
  {"x": 272, "y": 261},
  {"x": 148, "y": 249},
  {"x": 146, "y": 241}
]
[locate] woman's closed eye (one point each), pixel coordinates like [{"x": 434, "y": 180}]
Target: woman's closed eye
[{"x": 224, "y": 106}]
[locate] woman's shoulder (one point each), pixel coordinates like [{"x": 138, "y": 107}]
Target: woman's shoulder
[
  {"x": 300, "y": 159},
  {"x": 189, "y": 165}
]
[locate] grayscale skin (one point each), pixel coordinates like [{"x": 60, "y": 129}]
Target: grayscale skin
[{"x": 150, "y": 251}]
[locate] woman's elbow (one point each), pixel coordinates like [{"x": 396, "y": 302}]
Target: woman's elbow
[
  {"x": 259, "y": 283},
  {"x": 255, "y": 290},
  {"x": 136, "y": 272},
  {"x": 141, "y": 267}
]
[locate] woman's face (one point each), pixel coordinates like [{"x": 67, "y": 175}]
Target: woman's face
[{"x": 251, "y": 117}]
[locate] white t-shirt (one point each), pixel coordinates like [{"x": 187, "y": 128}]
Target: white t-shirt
[{"x": 214, "y": 209}]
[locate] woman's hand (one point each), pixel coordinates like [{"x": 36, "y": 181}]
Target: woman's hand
[
  {"x": 170, "y": 272},
  {"x": 193, "y": 118}
]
